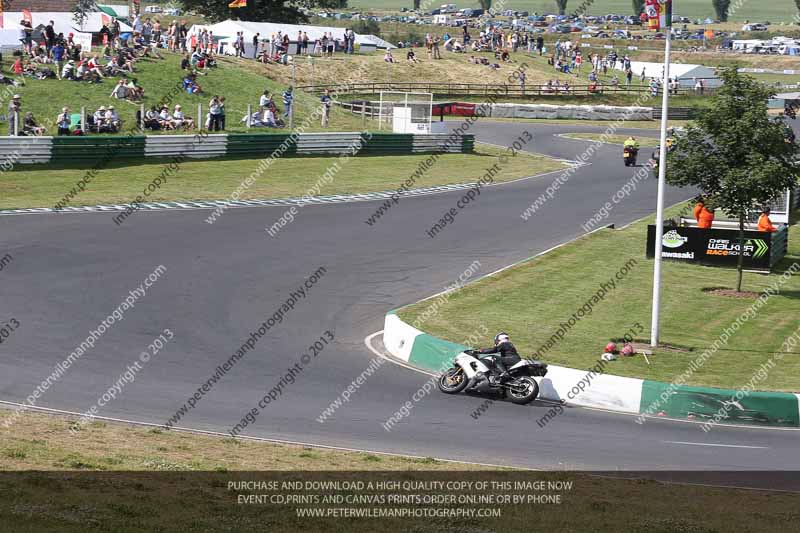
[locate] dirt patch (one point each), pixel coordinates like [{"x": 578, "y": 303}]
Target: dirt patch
[{"x": 731, "y": 293}]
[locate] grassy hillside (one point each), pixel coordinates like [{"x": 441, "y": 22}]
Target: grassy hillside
[{"x": 237, "y": 80}]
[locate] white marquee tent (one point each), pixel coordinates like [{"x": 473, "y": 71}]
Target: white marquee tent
[
  {"x": 228, "y": 29},
  {"x": 686, "y": 74},
  {"x": 63, "y": 22}
]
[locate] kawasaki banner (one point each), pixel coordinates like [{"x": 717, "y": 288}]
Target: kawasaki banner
[{"x": 718, "y": 247}]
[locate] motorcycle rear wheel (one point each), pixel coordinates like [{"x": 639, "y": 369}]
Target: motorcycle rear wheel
[
  {"x": 524, "y": 390},
  {"x": 453, "y": 381}
]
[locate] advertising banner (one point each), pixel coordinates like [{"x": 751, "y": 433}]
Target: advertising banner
[{"x": 716, "y": 247}]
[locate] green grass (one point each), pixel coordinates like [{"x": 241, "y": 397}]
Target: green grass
[
  {"x": 289, "y": 176},
  {"x": 531, "y": 300},
  {"x": 776, "y": 11},
  {"x": 123, "y": 477},
  {"x": 237, "y": 80},
  {"x": 645, "y": 142}
]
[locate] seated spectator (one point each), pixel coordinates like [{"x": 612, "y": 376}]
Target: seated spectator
[
  {"x": 152, "y": 119},
  {"x": 64, "y": 121},
  {"x": 135, "y": 93},
  {"x": 120, "y": 91},
  {"x": 93, "y": 67},
  {"x": 30, "y": 126},
  {"x": 165, "y": 120},
  {"x": 388, "y": 56},
  {"x": 17, "y": 67},
  {"x": 411, "y": 57},
  {"x": 112, "y": 120},
  {"x": 269, "y": 118},
  {"x": 68, "y": 73},
  {"x": 179, "y": 120},
  {"x": 98, "y": 122},
  {"x": 190, "y": 85}
]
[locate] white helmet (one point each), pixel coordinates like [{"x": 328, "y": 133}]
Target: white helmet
[{"x": 501, "y": 337}]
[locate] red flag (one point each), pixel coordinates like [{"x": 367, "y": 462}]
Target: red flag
[
  {"x": 26, "y": 15},
  {"x": 651, "y": 10}
]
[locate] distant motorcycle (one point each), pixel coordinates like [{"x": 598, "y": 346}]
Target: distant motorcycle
[
  {"x": 519, "y": 386},
  {"x": 629, "y": 155}
]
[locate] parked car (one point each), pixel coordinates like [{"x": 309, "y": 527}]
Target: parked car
[
  {"x": 153, "y": 9},
  {"x": 755, "y": 27}
]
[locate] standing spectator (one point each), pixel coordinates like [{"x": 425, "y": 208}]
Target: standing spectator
[
  {"x": 214, "y": 114},
  {"x": 26, "y": 36},
  {"x": 58, "y": 57},
  {"x": 522, "y": 81},
  {"x": 263, "y": 101},
  {"x": 222, "y": 112},
  {"x": 157, "y": 32},
  {"x": 628, "y": 77},
  {"x": 326, "y": 101},
  {"x": 183, "y": 31},
  {"x": 288, "y": 99},
  {"x": 49, "y": 36},
  {"x": 540, "y": 45},
  {"x": 643, "y": 76},
  {"x": 14, "y": 110},
  {"x": 255, "y": 45},
  {"x": 305, "y": 43},
  {"x": 147, "y": 31},
  {"x": 435, "y": 46},
  {"x": 64, "y": 121},
  {"x": 137, "y": 24}
]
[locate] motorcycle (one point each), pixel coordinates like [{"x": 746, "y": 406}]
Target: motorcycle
[
  {"x": 519, "y": 386},
  {"x": 629, "y": 155}
]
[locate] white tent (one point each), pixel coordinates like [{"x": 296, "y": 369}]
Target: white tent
[
  {"x": 63, "y": 22},
  {"x": 686, "y": 74},
  {"x": 229, "y": 28}
]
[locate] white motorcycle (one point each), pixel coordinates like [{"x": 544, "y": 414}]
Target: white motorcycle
[{"x": 519, "y": 386}]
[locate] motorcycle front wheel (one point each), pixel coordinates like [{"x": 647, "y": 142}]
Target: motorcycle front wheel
[
  {"x": 453, "y": 381},
  {"x": 523, "y": 390}
]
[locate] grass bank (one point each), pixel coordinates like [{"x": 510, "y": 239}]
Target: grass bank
[
  {"x": 530, "y": 301},
  {"x": 216, "y": 179},
  {"x": 117, "y": 477}
]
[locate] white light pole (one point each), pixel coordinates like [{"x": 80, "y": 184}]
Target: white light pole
[{"x": 662, "y": 178}]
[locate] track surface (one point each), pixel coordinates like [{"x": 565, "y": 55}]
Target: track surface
[{"x": 70, "y": 271}]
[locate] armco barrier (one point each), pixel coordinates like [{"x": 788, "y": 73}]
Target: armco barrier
[
  {"x": 96, "y": 149},
  {"x": 592, "y": 388}
]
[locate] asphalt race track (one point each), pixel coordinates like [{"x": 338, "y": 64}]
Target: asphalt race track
[{"x": 70, "y": 271}]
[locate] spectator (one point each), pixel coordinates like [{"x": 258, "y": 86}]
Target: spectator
[
  {"x": 255, "y": 45},
  {"x": 26, "y": 35},
  {"x": 288, "y": 100},
  {"x": 17, "y": 67},
  {"x": 157, "y": 32},
  {"x": 705, "y": 218},
  {"x": 58, "y": 53},
  {"x": 179, "y": 120},
  {"x": 388, "y": 56},
  {"x": 410, "y": 56},
  {"x": 263, "y": 101},
  {"x": 222, "y": 112},
  {"x": 31, "y": 126},
  {"x": 112, "y": 120},
  {"x": 64, "y": 121},
  {"x": 49, "y": 36},
  {"x": 435, "y": 48},
  {"x": 14, "y": 110},
  {"x": 628, "y": 77},
  {"x": 305, "y": 43},
  {"x": 151, "y": 119},
  {"x": 165, "y": 120},
  {"x": 120, "y": 91},
  {"x": 185, "y": 62},
  {"x": 269, "y": 118},
  {"x": 764, "y": 223},
  {"x": 214, "y": 112},
  {"x": 326, "y": 101},
  {"x": 68, "y": 73},
  {"x": 147, "y": 31}
]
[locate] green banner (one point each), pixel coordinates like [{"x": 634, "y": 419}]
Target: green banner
[
  {"x": 432, "y": 353},
  {"x": 720, "y": 405}
]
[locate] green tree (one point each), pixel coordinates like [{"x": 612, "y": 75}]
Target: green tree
[
  {"x": 638, "y": 7},
  {"x": 81, "y": 10},
  {"x": 797, "y": 17},
  {"x": 562, "y": 6},
  {"x": 366, "y": 27},
  {"x": 486, "y": 5},
  {"x": 736, "y": 153},
  {"x": 721, "y": 8},
  {"x": 416, "y": 4},
  {"x": 260, "y": 10}
]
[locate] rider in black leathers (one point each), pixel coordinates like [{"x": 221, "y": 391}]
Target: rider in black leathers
[{"x": 507, "y": 352}]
